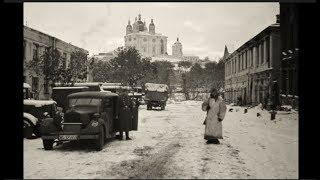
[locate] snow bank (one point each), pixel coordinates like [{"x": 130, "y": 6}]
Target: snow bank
[
  {"x": 30, "y": 117},
  {"x": 38, "y": 103},
  {"x": 26, "y": 85},
  {"x": 156, "y": 87}
]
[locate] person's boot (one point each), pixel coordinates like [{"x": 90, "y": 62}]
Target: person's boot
[
  {"x": 120, "y": 136},
  {"x": 127, "y": 136},
  {"x": 216, "y": 141},
  {"x": 209, "y": 141}
]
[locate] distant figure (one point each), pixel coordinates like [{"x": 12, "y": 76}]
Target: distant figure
[{"x": 216, "y": 110}]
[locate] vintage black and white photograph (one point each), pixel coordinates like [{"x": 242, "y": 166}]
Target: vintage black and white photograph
[{"x": 117, "y": 90}]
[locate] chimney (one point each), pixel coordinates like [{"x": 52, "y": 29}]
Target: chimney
[{"x": 278, "y": 18}]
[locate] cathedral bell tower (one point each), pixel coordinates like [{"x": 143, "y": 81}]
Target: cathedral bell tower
[
  {"x": 129, "y": 28},
  {"x": 177, "y": 49},
  {"x": 152, "y": 28}
]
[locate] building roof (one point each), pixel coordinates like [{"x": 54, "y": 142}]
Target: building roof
[
  {"x": 272, "y": 27},
  {"x": 31, "y": 29},
  {"x": 93, "y": 94}
]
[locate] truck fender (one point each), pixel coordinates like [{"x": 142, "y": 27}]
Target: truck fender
[{"x": 30, "y": 118}]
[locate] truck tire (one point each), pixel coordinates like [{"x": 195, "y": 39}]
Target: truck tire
[
  {"x": 36, "y": 131},
  {"x": 47, "y": 144},
  {"x": 149, "y": 107},
  {"x": 163, "y": 107},
  {"x": 100, "y": 141},
  {"x": 27, "y": 129}
]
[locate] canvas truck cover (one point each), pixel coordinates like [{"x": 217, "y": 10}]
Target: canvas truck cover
[{"x": 156, "y": 87}]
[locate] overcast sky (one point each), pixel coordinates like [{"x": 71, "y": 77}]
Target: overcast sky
[{"x": 203, "y": 28}]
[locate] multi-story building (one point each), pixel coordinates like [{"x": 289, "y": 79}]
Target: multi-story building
[
  {"x": 289, "y": 15},
  {"x": 34, "y": 44},
  {"x": 148, "y": 42},
  {"x": 251, "y": 69}
]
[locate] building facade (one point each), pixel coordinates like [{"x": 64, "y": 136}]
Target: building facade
[
  {"x": 251, "y": 69},
  {"x": 34, "y": 44},
  {"x": 289, "y": 15},
  {"x": 148, "y": 42}
]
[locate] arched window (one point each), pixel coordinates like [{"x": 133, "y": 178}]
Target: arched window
[{"x": 162, "y": 46}]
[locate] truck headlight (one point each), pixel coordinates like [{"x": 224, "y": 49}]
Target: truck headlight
[{"x": 94, "y": 123}]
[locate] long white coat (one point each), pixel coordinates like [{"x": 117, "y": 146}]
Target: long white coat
[{"x": 213, "y": 128}]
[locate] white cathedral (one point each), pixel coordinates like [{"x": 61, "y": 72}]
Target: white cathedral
[{"x": 148, "y": 42}]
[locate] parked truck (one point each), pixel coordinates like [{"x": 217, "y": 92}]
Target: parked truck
[{"x": 156, "y": 95}]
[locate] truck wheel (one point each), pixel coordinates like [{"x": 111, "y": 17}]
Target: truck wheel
[
  {"x": 100, "y": 141},
  {"x": 162, "y": 107},
  {"x": 149, "y": 107},
  {"x": 36, "y": 131},
  {"x": 47, "y": 144},
  {"x": 27, "y": 130}
]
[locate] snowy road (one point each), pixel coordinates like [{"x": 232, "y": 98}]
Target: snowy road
[{"x": 170, "y": 144}]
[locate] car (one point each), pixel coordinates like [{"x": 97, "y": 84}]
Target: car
[
  {"x": 90, "y": 116},
  {"x": 156, "y": 95},
  {"x": 34, "y": 112}
]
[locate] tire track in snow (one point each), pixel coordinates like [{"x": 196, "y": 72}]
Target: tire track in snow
[{"x": 152, "y": 166}]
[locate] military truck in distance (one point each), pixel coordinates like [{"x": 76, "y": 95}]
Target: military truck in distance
[{"x": 156, "y": 95}]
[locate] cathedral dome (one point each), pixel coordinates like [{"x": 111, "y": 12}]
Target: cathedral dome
[{"x": 140, "y": 24}]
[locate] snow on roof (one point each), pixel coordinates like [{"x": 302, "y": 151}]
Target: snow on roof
[
  {"x": 26, "y": 85},
  {"x": 87, "y": 84},
  {"x": 38, "y": 103},
  {"x": 115, "y": 87},
  {"x": 156, "y": 87},
  {"x": 136, "y": 94},
  {"x": 78, "y": 87}
]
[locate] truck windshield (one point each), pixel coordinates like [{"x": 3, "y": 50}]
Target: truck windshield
[
  {"x": 154, "y": 95},
  {"x": 84, "y": 102}
]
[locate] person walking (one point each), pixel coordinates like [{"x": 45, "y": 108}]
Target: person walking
[{"x": 216, "y": 110}]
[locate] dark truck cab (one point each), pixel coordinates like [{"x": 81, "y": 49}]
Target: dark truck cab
[
  {"x": 89, "y": 115},
  {"x": 156, "y": 95},
  {"x": 60, "y": 94}
]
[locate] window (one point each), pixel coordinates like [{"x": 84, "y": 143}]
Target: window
[
  {"x": 64, "y": 60},
  {"x": 144, "y": 39},
  {"x": 268, "y": 50},
  {"x": 162, "y": 46},
  {"x": 257, "y": 56},
  {"x": 35, "y": 84},
  {"x": 84, "y": 102},
  {"x": 24, "y": 49},
  {"x": 35, "y": 51},
  {"x": 153, "y": 40},
  {"x": 46, "y": 88},
  {"x": 262, "y": 52},
  {"x": 153, "y": 49}
]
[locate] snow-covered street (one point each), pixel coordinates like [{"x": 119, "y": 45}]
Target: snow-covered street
[{"x": 170, "y": 144}]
